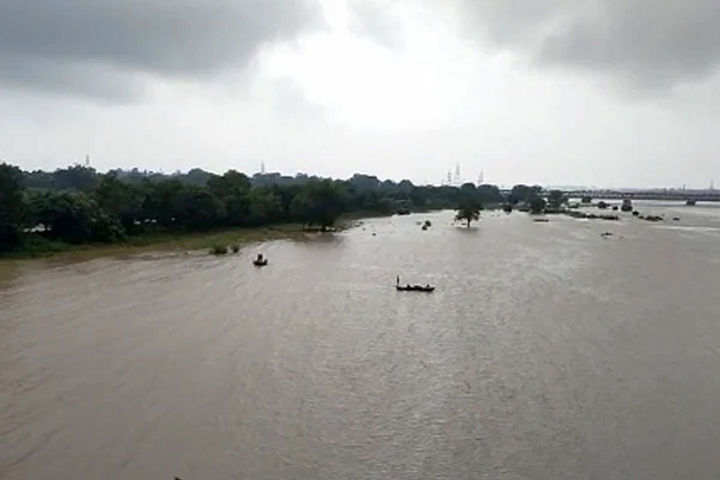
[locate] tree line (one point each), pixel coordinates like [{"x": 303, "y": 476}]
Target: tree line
[{"x": 77, "y": 204}]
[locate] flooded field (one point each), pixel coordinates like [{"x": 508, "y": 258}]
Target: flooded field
[{"x": 547, "y": 351}]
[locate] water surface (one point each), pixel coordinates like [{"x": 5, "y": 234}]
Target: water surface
[{"x": 547, "y": 351}]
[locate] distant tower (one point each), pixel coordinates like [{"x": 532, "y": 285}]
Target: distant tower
[
  {"x": 87, "y": 160},
  {"x": 448, "y": 180},
  {"x": 481, "y": 178},
  {"x": 262, "y": 168},
  {"x": 457, "y": 174}
]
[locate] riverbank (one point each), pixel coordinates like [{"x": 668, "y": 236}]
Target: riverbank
[
  {"x": 37, "y": 246},
  {"x": 40, "y": 247}
]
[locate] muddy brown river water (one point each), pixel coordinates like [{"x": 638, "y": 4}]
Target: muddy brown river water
[{"x": 546, "y": 352}]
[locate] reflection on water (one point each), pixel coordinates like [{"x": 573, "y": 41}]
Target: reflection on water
[{"x": 547, "y": 351}]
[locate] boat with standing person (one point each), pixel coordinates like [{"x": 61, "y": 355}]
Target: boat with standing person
[
  {"x": 412, "y": 288},
  {"x": 260, "y": 261}
]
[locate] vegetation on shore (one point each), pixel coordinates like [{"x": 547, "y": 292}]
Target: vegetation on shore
[
  {"x": 233, "y": 237},
  {"x": 45, "y": 212},
  {"x": 77, "y": 208}
]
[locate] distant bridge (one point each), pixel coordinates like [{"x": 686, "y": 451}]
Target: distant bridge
[{"x": 678, "y": 195}]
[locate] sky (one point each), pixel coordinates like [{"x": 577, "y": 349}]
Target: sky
[{"x": 605, "y": 93}]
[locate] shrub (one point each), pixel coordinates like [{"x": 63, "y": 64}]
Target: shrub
[{"x": 218, "y": 250}]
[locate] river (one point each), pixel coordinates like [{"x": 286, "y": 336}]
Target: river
[{"x": 547, "y": 351}]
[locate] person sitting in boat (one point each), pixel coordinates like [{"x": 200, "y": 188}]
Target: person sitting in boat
[{"x": 259, "y": 257}]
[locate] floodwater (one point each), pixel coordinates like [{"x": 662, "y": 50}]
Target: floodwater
[{"x": 547, "y": 351}]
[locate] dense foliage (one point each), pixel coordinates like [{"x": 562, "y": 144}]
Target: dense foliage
[
  {"x": 11, "y": 206},
  {"x": 78, "y": 204}
]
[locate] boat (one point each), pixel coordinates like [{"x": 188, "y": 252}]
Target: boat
[
  {"x": 412, "y": 288},
  {"x": 626, "y": 205},
  {"x": 260, "y": 261},
  {"x": 690, "y": 202}
]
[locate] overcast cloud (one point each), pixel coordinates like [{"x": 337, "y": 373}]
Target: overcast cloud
[
  {"x": 58, "y": 44},
  {"x": 644, "y": 43},
  {"x": 592, "y": 92}
]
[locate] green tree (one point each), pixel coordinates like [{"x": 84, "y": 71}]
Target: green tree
[
  {"x": 38, "y": 180},
  {"x": 490, "y": 194},
  {"x": 236, "y": 209},
  {"x": 469, "y": 205},
  {"x": 468, "y": 212},
  {"x": 320, "y": 202},
  {"x": 536, "y": 204},
  {"x": 286, "y": 194},
  {"x": 231, "y": 183},
  {"x": 556, "y": 199},
  {"x": 74, "y": 217},
  {"x": 121, "y": 200},
  {"x": 197, "y": 177},
  {"x": 163, "y": 203},
  {"x": 263, "y": 206},
  {"x": 405, "y": 188},
  {"x": 420, "y": 196},
  {"x": 76, "y": 177},
  {"x": 200, "y": 209},
  {"x": 232, "y": 189},
  {"x": 523, "y": 193},
  {"x": 364, "y": 183},
  {"x": 12, "y": 207}
]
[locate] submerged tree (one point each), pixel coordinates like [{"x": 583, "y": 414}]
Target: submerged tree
[
  {"x": 537, "y": 205},
  {"x": 469, "y": 205},
  {"x": 556, "y": 199},
  {"x": 523, "y": 193}
]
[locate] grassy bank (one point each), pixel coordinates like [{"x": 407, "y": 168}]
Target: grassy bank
[{"x": 38, "y": 246}]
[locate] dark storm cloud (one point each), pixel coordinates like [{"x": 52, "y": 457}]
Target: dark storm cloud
[
  {"x": 58, "y": 44},
  {"x": 647, "y": 43}
]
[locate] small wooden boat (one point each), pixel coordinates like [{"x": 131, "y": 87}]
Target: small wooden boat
[
  {"x": 412, "y": 288},
  {"x": 260, "y": 261}
]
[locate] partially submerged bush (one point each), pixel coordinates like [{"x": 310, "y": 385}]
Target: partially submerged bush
[
  {"x": 218, "y": 250},
  {"x": 235, "y": 248}
]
